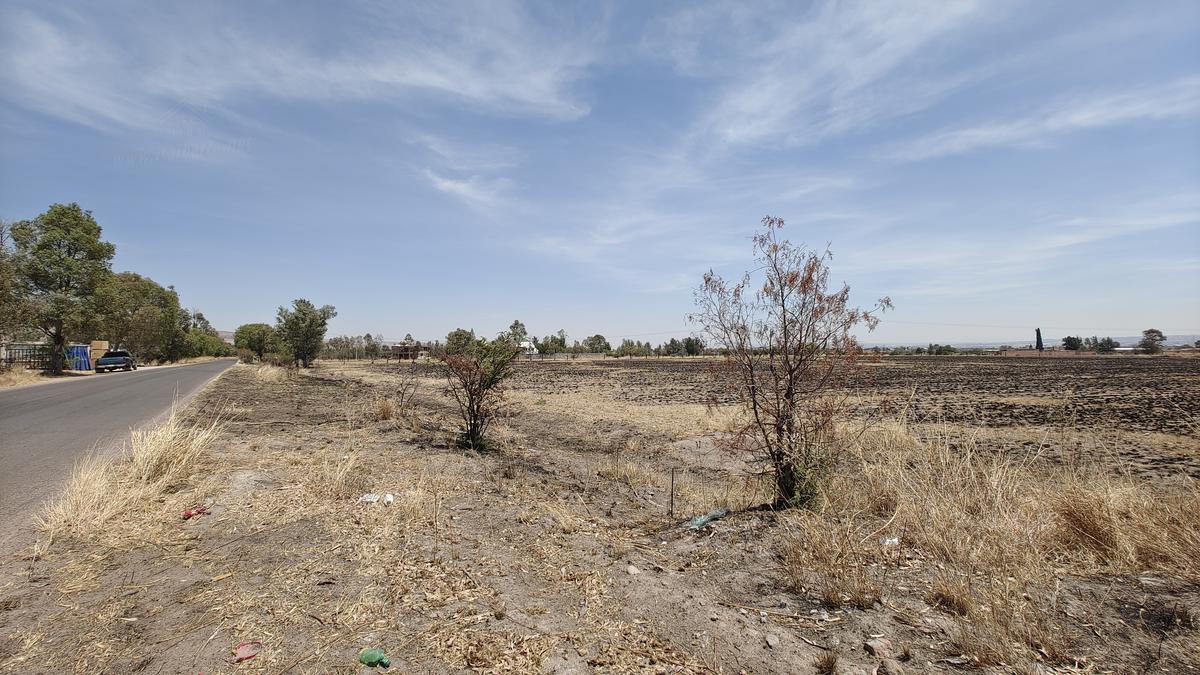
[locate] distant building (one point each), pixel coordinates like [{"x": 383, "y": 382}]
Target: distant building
[
  {"x": 528, "y": 348},
  {"x": 409, "y": 351}
]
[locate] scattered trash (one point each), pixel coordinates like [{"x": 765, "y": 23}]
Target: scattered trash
[
  {"x": 890, "y": 541},
  {"x": 369, "y": 498},
  {"x": 246, "y": 651},
  {"x": 700, "y": 521},
  {"x": 201, "y": 510},
  {"x": 374, "y": 657},
  {"x": 388, "y": 499}
]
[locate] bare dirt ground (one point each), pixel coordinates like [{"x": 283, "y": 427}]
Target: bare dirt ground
[{"x": 563, "y": 550}]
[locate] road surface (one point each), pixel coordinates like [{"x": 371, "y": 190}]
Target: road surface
[{"x": 45, "y": 428}]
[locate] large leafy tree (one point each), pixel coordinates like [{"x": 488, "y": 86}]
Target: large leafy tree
[
  {"x": 12, "y": 320},
  {"x": 517, "y": 332},
  {"x": 259, "y": 338},
  {"x": 597, "y": 344},
  {"x": 458, "y": 340},
  {"x": 302, "y": 328},
  {"x": 137, "y": 314},
  {"x": 60, "y": 261},
  {"x": 1152, "y": 341}
]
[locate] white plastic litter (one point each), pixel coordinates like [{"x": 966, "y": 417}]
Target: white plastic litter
[
  {"x": 388, "y": 499},
  {"x": 369, "y": 498}
]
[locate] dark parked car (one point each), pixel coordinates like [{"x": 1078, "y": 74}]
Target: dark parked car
[{"x": 115, "y": 359}]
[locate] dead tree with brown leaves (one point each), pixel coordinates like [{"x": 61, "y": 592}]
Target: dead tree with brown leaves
[{"x": 791, "y": 358}]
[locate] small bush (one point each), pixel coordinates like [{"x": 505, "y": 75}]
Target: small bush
[{"x": 475, "y": 378}]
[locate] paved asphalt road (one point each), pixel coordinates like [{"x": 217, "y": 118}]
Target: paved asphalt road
[{"x": 45, "y": 428}]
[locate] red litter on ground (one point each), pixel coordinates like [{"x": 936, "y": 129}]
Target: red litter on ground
[
  {"x": 198, "y": 511},
  {"x": 246, "y": 651}
]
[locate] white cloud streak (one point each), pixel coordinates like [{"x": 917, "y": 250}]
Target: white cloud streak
[
  {"x": 124, "y": 70},
  {"x": 840, "y": 67},
  {"x": 1177, "y": 99}
]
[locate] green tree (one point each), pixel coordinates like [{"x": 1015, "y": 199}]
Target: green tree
[
  {"x": 136, "y": 314},
  {"x": 1100, "y": 345},
  {"x": 302, "y": 329},
  {"x": 60, "y": 261},
  {"x": 458, "y": 340},
  {"x": 517, "y": 332},
  {"x": 370, "y": 346},
  {"x": 200, "y": 323},
  {"x": 13, "y": 322},
  {"x": 693, "y": 346},
  {"x": 597, "y": 344},
  {"x": 1039, "y": 339},
  {"x": 475, "y": 377},
  {"x": 1072, "y": 343},
  {"x": 204, "y": 343},
  {"x": 259, "y": 338},
  {"x": 1152, "y": 341}
]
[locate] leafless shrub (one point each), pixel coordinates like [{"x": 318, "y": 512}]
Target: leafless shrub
[{"x": 791, "y": 357}]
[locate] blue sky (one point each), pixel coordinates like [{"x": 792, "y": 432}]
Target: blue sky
[{"x": 992, "y": 166}]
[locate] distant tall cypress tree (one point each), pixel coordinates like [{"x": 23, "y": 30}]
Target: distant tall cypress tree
[{"x": 1039, "y": 339}]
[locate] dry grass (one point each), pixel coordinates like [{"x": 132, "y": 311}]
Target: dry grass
[
  {"x": 101, "y": 490},
  {"x": 339, "y": 477},
  {"x": 1002, "y": 531},
  {"x": 840, "y": 560},
  {"x": 826, "y": 663},
  {"x": 625, "y": 467},
  {"x": 383, "y": 409},
  {"x": 19, "y": 377},
  {"x": 270, "y": 373}
]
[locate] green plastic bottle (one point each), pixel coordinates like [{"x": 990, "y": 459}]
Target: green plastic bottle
[{"x": 374, "y": 657}]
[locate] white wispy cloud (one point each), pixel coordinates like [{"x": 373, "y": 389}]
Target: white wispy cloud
[
  {"x": 123, "y": 70},
  {"x": 461, "y": 155},
  {"x": 840, "y": 66},
  {"x": 974, "y": 263},
  {"x": 475, "y": 191},
  {"x": 1177, "y": 99}
]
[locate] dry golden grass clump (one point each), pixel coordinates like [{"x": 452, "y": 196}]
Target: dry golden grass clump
[
  {"x": 835, "y": 556},
  {"x": 1002, "y": 531},
  {"x": 624, "y": 466},
  {"x": 103, "y": 490},
  {"x": 270, "y": 373},
  {"x": 339, "y": 477},
  {"x": 16, "y": 377},
  {"x": 383, "y": 409}
]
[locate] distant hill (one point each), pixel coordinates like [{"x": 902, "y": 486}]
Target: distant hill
[{"x": 226, "y": 335}]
